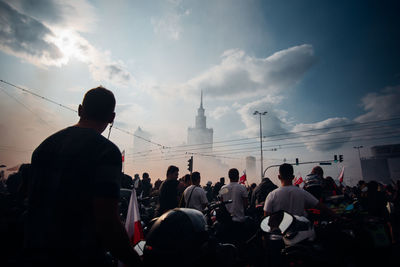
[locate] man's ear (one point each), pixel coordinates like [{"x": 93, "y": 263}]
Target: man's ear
[
  {"x": 279, "y": 176},
  {"x": 80, "y": 110},
  {"x": 112, "y": 117}
]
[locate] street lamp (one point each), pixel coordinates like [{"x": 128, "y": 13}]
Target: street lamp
[
  {"x": 261, "y": 113},
  {"x": 359, "y": 156}
]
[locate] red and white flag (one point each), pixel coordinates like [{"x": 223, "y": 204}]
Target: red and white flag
[
  {"x": 133, "y": 225},
  {"x": 243, "y": 178},
  {"x": 341, "y": 175},
  {"x": 123, "y": 160},
  {"x": 298, "y": 181}
]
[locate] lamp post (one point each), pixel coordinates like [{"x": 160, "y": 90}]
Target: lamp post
[
  {"x": 359, "y": 156},
  {"x": 261, "y": 113}
]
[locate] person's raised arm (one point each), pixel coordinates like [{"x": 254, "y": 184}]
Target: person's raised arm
[{"x": 111, "y": 231}]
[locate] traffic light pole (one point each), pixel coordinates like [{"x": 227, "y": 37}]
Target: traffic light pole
[
  {"x": 190, "y": 165},
  {"x": 323, "y": 162}
]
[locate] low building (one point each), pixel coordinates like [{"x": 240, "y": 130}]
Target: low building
[{"x": 384, "y": 164}]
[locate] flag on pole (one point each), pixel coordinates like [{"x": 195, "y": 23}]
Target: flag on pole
[
  {"x": 341, "y": 175},
  {"x": 243, "y": 178},
  {"x": 133, "y": 225}
]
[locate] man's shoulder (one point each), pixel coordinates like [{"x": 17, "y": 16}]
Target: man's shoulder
[{"x": 187, "y": 189}]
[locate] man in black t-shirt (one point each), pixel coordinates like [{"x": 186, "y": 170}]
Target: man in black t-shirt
[
  {"x": 169, "y": 197},
  {"x": 73, "y": 200}
]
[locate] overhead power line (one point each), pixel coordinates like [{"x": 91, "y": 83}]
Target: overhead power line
[{"x": 73, "y": 110}]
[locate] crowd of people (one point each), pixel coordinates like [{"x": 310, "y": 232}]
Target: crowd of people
[{"x": 63, "y": 206}]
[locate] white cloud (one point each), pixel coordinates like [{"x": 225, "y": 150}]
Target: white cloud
[
  {"x": 272, "y": 123},
  {"x": 55, "y": 40},
  {"x": 381, "y": 106},
  {"x": 242, "y": 76},
  {"x": 170, "y": 23},
  {"x": 219, "y": 112},
  {"x": 324, "y": 141}
]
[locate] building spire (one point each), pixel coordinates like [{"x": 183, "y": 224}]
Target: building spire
[{"x": 201, "y": 99}]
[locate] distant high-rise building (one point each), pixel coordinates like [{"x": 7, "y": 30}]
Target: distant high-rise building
[
  {"x": 200, "y": 134},
  {"x": 251, "y": 167},
  {"x": 139, "y": 144}
]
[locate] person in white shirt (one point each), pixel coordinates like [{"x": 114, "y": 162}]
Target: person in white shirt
[
  {"x": 238, "y": 194},
  {"x": 291, "y": 198},
  {"x": 195, "y": 196}
]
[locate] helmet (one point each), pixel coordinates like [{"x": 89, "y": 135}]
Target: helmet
[{"x": 176, "y": 238}]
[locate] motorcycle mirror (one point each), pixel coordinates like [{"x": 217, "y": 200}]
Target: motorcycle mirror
[
  {"x": 223, "y": 191},
  {"x": 277, "y": 220},
  {"x": 139, "y": 247}
]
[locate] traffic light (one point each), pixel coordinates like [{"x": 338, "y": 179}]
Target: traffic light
[
  {"x": 340, "y": 158},
  {"x": 190, "y": 164},
  {"x": 335, "y": 158},
  {"x": 297, "y": 161}
]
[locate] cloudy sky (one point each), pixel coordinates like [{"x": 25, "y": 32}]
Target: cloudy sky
[{"x": 327, "y": 72}]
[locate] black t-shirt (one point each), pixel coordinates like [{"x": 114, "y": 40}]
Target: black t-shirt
[
  {"x": 168, "y": 198},
  {"x": 69, "y": 170}
]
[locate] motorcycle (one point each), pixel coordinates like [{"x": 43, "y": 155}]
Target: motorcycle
[{"x": 289, "y": 240}]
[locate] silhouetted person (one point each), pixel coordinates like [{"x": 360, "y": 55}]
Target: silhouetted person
[
  {"x": 195, "y": 196},
  {"x": 169, "y": 197},
  {"x": 261, "y": 191},
  {"x": 313, "y": 182},
  {"x": 218, "y": 186},
  {"x": 126, "y": 181},
  {"x": 73, "y": 204},
  {"x": 137, "y": 184},
  {"x": 238, "y": 194},
  {"x": 184, "y": 183},
  {"x": 290, "y": 198},
  {"x": 146, "y": 185},
  {"x": 209, "y": 191}
]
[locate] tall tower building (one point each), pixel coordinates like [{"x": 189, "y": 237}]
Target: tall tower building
[
  {"x": 140, "y": 145},
  {"x": 200, "y": 134}
]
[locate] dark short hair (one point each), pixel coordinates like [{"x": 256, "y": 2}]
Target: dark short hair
[
  {"x": 286, "y": 171},
  {"x": 195, "y": 177},
  {"x": 222, "y": 179},
  {"x": 233, "y": 174},
  {"x": 186, "y": 178},
  {"x": 171, "y": 169},
  {"x": 145, "y": 175},
  {"x": 98, "y": 104}
]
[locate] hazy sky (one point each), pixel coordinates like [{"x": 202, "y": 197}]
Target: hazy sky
[{"x": 310, "y": 64}]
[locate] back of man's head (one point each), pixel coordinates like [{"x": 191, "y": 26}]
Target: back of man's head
[
  {"x": 145, "y": 175},
  {"x": 98, "y": 105},
  {"x": 187, "y": 179},
  {"x": 286, "y": 171},
  {"x": 233, "y": 175},
  {"x": 171, "y": 170},
  {"x": 222, "y": 180},
  {"x": 195, "y": 178}
]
